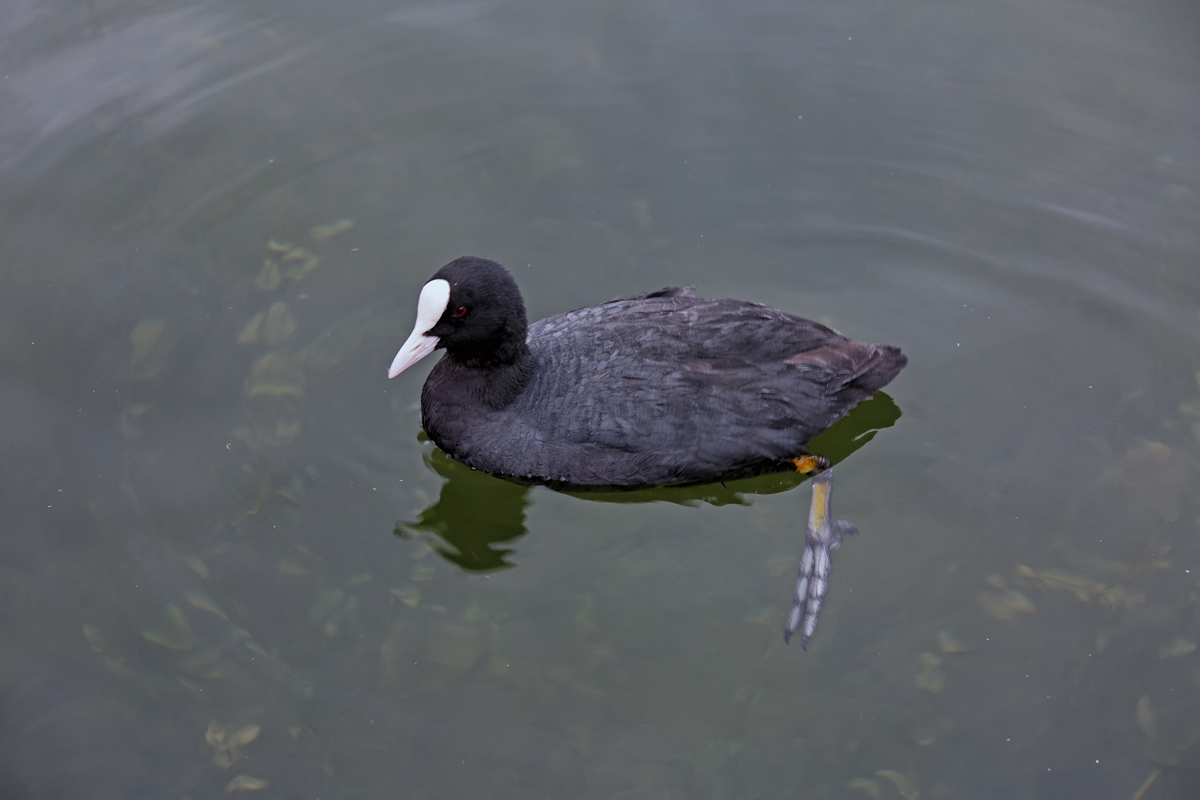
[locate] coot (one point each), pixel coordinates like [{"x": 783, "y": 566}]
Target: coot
[{"x": 662, "y": 387}]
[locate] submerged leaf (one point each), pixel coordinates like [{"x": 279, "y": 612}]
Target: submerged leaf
[
  {"x": 149, "y": 350},
  {"x": 905, "y": 785},
  {"x": 269, "y": 279},
  {"x": 244, "y": 736},
  {"x": 172, "y": 631},
  {"x": 244, "y": 783},
  {"x": 865, "y": 785},
  {"x": 92, "y": 634},
  {"x": 304, "y": 262},
  {"x": 292, "y": 568},
  {"x": 249, "y": 332},
  {"x": 323, "y": 233},
  {"x": 1059, "y": 580},
  {"x": 226, "y": 739},
  {"x": 409, "y": 595},
  {"x": 117, "y": 667},
  {"x": 278, "y": 325},
  {"x": 204, "y": 603},
  {"x": 258, "y": 649},
  {"x": 1006, "y": 604},
  {"x": 1145, "y": 718},
  {"x": 261, "y": 435},
  {"x": 1177, "y": 648},
  {"x": 930, "y": 677},
  {"x": 145, "y": 336},
  {"x": 1146, "y": 784},
  {"x": 1160, "y": 477},
  {"x": 198, "y": 567},
  {"x": 949, "y": 643},
  {"x": 293, "y": 490},
  {"x": 274, "y": 375},
  {"x": 202, "y": 660}
]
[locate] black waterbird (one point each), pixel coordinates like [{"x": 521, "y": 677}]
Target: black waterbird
[{"x": 659, "y": 388}]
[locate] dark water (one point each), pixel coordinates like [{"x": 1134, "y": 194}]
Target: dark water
[{"x": 214, "y": 527}]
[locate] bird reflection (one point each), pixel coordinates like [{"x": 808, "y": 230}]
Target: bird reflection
[{"x": 478, "y": 516}]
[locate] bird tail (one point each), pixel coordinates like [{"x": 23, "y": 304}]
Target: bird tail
[
  {"x": 854, "y": 368},
  {"x": 884, "y": 365}
]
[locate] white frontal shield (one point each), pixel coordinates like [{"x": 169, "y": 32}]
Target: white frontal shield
[{"x": 430, "y": 307}]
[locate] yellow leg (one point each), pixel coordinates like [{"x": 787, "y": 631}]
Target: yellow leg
[{"x": 821, "y": 537}]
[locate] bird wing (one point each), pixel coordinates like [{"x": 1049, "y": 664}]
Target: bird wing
[{"x": 708, "y": 384}]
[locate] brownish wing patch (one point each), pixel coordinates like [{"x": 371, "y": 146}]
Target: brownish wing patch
[{"x": 851, "y": 359}]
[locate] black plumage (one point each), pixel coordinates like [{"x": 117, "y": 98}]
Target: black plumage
[{"x": 658, "y": 388}]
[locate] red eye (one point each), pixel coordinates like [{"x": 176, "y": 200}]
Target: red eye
[{"x": 461, "y": 312}]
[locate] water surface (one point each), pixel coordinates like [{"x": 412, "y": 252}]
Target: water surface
[{"x": 230, "y": 560}]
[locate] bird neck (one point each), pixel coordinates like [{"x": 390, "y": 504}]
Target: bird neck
[{"x": 502, "y": 371}]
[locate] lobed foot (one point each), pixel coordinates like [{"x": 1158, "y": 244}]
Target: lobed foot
[{"x": 822, "y": 536}]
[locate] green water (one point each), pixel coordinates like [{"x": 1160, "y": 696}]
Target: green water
[{"x": 229, "y": 561}]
